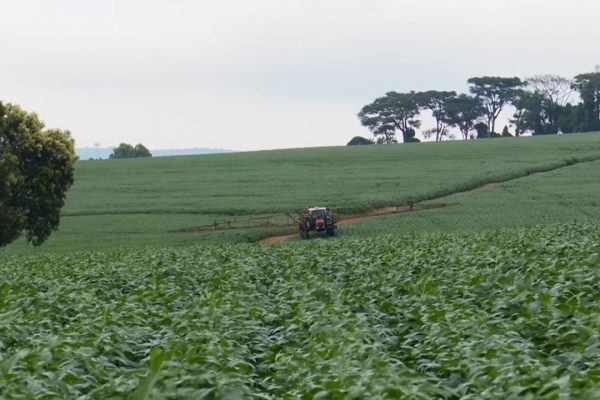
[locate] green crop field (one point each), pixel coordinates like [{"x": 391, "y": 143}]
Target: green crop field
[
  {"x": 512, "y": 313},
  {"x": 496, "y": 296},
  {"x": 132, "y": 203},
  {"x": 566, "y": 194}
]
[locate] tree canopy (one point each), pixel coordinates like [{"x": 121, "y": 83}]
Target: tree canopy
[
  {"x": 36, "y": 171},
  {"x": 359, "y": 140},
  {"x": 495, "y": 93},
  {"x": 437, "y": 103},
  {"x": 463, "y": 111},
  {"x": 125, "y": 150},
  {"x": 541, "y": 105},
  {"x": 395, "y": 111},
  {"x": 589, "y": 90}
]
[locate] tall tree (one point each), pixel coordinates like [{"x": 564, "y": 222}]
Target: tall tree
[
  {"x": 437, "y": 103},
  {"x": 36, "y": 171},
  {"x": 536, "y": 114},
  {"x": 393, "y": 112},
  {"x": 572, "y": 118},
  {"x": 555, "y": 92},
  {"x": 518, "y": 118},
  {"x": 588, "y": 86},
  {"x": 529, "y": 115},
  {"x": 464, "y": 111},
  {"x": 494, "y": 93},
  {"x": 555, "y": 88}
]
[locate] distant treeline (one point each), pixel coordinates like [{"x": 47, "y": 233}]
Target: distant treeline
[
  {"x": 541, "y": 105},
  {"x": 98, "y": 153},
  {"x": 125, "y": 150}
]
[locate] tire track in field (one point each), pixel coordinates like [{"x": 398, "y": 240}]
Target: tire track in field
[
  {"x": 345, "y": 220},
  {"x": 375, "y": 212},
  {"x": 369, "y": 214}
]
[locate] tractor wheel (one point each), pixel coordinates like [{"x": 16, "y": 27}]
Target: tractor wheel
[
  {"x": 331, "y": 232},
  {"x": 303, "y": 233}
]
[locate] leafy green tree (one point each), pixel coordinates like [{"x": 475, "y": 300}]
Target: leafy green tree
[
  {"x": 518, "y": 119},
  {"x": 409, "y": 136},
  {"x": 125, "y": 150},
  {"x": 530, "y": 114},
  {"x": 537, "y": 113},
  {"x": 36, "y": 171},
  {"x": 495, "y": 93},
  {"x": 142, "y": 151},
  {"x": 572, "y": 119},
  {"x": 588, "y": 86},
  {"x": 554, "y": 92},
  {"x": 437, "y": 103},
  {"x": 482, "y": 130},
  {"x": 359, "y": 140},
  {"x": 391, "y": 113},
  {"x": 464, "y": 111}
]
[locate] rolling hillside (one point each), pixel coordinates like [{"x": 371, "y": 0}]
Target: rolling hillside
[
  {"x": 501, "y": 311},
  {"x": 134, "y": 203}
]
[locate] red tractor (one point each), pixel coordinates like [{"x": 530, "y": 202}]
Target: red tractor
[{"x": 316, "y": 219}]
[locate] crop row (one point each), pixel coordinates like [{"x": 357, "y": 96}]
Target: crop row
[{"x": 512, "y": 313}]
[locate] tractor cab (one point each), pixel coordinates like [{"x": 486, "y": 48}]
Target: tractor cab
[{"x": 316, "y": 219}]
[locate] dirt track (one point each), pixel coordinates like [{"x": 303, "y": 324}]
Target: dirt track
[
  {"x": 426, "y": 204},
  {"x": 376, "y": 212},
  {"x": 373, "y": 213}
]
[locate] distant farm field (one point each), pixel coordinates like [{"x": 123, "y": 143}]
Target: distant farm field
[
  {"x": 512, "y": 313},
  {"x": 566, "y": 194},
  {"x": 133, "y": 203}
]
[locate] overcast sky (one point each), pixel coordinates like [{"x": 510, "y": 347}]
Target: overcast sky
[{"x": 261, "y": 74}]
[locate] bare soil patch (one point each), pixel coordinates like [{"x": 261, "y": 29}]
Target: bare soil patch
[
  {"x": 373, "y": 213},
  {"x": 278, "y": 238}
]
